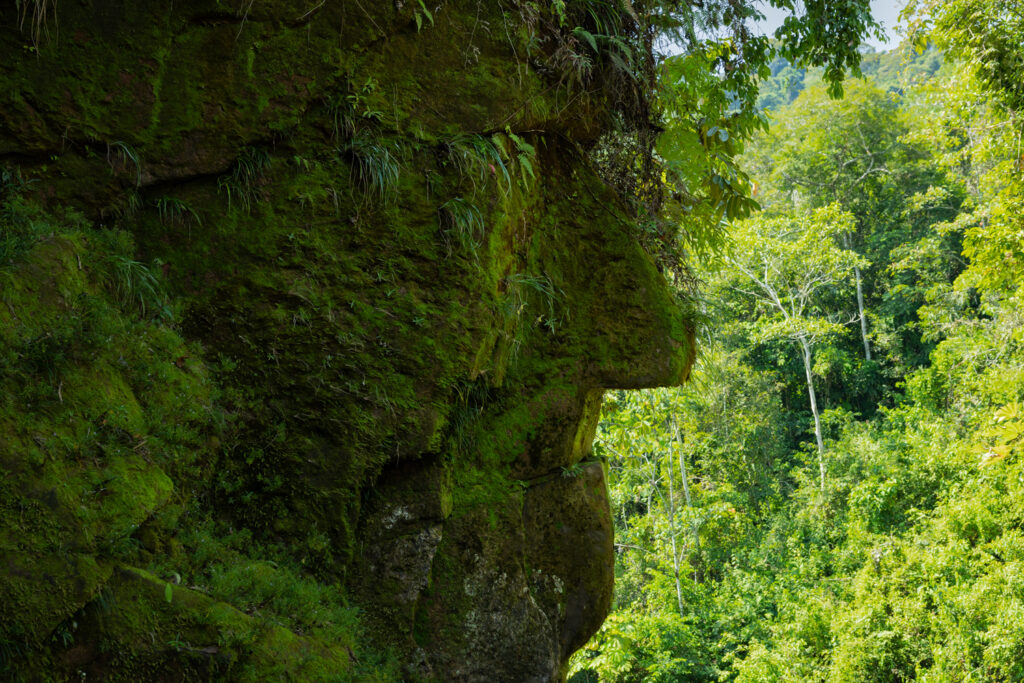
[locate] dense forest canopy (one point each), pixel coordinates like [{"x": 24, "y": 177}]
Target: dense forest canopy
[{"x": 836, "y": 496}]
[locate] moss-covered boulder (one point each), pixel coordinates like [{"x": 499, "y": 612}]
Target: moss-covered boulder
[{"x": 305, "y": 317}]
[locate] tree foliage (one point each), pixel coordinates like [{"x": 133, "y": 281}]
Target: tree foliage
[
  {"x": 684, "y": 77},
  {"x": 909, "y": 564}
]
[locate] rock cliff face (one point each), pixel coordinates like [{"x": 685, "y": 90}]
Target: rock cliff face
[{"x": 307, "y": 310}]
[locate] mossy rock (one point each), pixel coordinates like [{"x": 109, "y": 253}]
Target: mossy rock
[{"x": 308, "y": 303}]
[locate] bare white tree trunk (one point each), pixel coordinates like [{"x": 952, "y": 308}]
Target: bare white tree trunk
[
  {"x": 672, "y": 532},
  {"x": 682, "y": 464},
  {"x": 863, "y": 317},
  {"x": 686, "y": 488},
  {"x": 847, "y": 244},
  {"x": 806, "y": 348}
]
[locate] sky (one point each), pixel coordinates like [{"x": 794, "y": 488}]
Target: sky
[{"x": 885, "y": 11}]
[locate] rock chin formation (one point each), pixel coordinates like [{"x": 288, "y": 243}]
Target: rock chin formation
[{"x": 307, "y": 310}]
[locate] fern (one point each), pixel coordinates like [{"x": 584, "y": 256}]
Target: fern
[
  {"x": 525, "y": 155},
  {"x": 478, "y": 157}
]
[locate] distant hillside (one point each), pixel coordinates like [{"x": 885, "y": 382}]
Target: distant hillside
[{"x": 893, "y": 69}]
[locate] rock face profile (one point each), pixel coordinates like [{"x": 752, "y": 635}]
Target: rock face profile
[{"x": 306, "y": 311}]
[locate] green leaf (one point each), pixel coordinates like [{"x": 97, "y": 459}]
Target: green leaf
[
  {"x": 586, "y": 36},
  {"x": 422, "y": 12},
  {"x": 526, "y": 166}
]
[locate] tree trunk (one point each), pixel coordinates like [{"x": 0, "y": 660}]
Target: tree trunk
[
  {"x": 806, "y": 348},
  {"x": 848, "y": 244},
  {"x": 682, "y": 464},
  {"x": 672, "y": 531},
  {"x": 860, "y": 312},
  {"x": 686, "y": 490}
]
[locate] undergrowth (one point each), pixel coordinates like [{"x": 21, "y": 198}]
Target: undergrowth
[{"x": 21, "y": 225}]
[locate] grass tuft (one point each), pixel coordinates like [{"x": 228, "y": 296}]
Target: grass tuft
[
  {"x": 38, "y": 14},
  {"x": 120, "y": 155},
  {"x": 375, "y": 166},
  {"x": 173, "y": 211},
  {"x": 135, "y": 287},
  {"x": 461, "y": 219},
  {"x": 240, "y": 184},
  {"x": 549, "y": 292}
]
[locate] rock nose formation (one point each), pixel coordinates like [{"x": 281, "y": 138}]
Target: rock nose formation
[{"x": 308, "y": 311}]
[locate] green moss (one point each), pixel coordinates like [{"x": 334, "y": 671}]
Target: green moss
[
  {"x": 215, "y": 394},
  {"x": 154, "y": 628},
  {"x": 106, "y": 407}
]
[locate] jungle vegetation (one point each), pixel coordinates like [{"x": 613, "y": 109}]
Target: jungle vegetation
[{"x": 838, "y": 495}]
